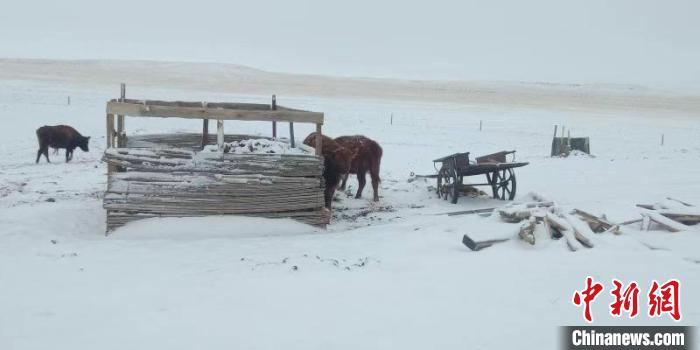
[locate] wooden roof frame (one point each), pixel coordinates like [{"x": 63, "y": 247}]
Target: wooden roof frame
[
  {"x": 216, "y": 111},
  {"x": 206, "y": 111}
]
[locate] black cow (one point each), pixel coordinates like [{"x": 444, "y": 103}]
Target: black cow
[{"x": 60, "y": 136}]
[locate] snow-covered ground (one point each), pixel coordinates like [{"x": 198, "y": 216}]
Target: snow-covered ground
[{"x": 383, "y": 275}]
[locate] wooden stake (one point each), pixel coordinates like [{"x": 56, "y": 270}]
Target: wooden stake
[
  {"x": 319, "y": 140},
  {"x": 109, "y": 138},
  {"x": 554, "y": 141},
  {"x": 69, "y": 100},
  {"x": 662, "y": 139},
  {"x": 291, "y": 134},
  {"x": 561, "y": 141},
  {"x": 480, "y": 124},
  {"x": 205, "y": 132},
  {"x": 110, "y": 129},
  {"x": 121, "y": 142},
  {"x": 220, "y": 134}
]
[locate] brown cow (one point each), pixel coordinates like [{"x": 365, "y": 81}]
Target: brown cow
[
  {"x": 336, "y": 163},
  {"x": 368, "y": 157},
  {"x": 60, "y": 136}
]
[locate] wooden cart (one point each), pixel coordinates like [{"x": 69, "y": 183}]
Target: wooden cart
[{"x": 498, "y": 170}]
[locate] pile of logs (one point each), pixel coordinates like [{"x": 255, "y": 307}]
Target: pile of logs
[
  {"x": 577, "y": 226},
  {"x": 546, "y": 217},
  {"x": 170, "y": 182}
]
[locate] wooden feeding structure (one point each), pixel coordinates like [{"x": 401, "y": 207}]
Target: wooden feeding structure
[
  {"x": 563, "y": 145},
  {"x": 181, "y": 175}
]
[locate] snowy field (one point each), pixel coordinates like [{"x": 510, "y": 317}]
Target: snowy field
[{"x": 386, "y": 275}]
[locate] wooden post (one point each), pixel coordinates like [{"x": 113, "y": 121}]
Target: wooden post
[
  {"x": 291, "y": 134},
  {"x": 69, "y": 100},
  {"x": 205, "y": 127},
  {"x": 110, "y": 140},
  {"x": 110, "y": 130},
  {"x": 220, "y": 134},
  {"x": 121, "y": 140},
  {"x": 274, "y": 123},
  {"x": 662, "y": 139},
  {"x": 205, "y": 132},
  {"x": 561, "y": 141},
  {"x": 480, "y": 124},
  {"x": 319, "y": 140},
  {"x": 391, "y": 121},
  {"x": 554, "y": 142}
]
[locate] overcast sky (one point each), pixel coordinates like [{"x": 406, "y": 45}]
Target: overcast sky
[{"x": 625, "y": 41}]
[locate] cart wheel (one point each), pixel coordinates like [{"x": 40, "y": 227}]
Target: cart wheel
[
  {"x": 448, "y": 184},
  {"x": 503, "y": 184}
]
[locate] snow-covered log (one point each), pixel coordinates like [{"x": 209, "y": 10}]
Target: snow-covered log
[
  {"x": 663, "y": 221},
  {"x": 565, "y": 229},
  {"x": 527, "y": 231},
  {"x": 582, "y": 231}
]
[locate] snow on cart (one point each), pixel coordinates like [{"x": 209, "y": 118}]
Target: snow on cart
[{"x": 193, "y": 174}]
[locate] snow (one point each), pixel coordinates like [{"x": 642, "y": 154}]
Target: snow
[
  {"x": 260, "y": 146},
  {"x": 391, "y": 274}
]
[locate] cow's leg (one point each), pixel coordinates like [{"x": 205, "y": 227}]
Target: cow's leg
[
  {"x": 67, "y": 155},
  {"x": 374, "y": 173},
  {"x": 362, "y": 181},
  {"x": 345, "y": 180},
  {"x": 38, "y": 155},
  {"x": 328, "y": 195},
  {"x": 45, "y": 151}
]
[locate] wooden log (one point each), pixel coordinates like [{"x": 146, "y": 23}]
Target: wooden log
[
  {"x": 527, "y": 231},
  {"x": 565, "y": 229},
  {"x": 646, "y": 223},
  {"x": 211, "y": 112},
  {"x": 665, "y": 222},
  {"x": 597, "y": 224},
  {"x": 164, "y": 160},
  {"x": 581, "y": 230},
  {"x": 680, "y": 201},
  {"x": 467, "y": 212},
  {"x": 514, "y": 215},
  {"x": 476, "y": 246}
]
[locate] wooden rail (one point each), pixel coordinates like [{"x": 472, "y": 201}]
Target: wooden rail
[
  {"x": 208, "y": 112},
  {"x": 123, "y": 107}
]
